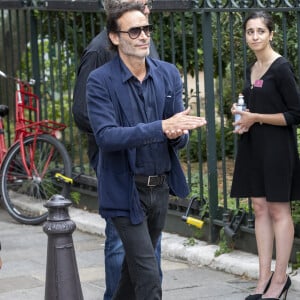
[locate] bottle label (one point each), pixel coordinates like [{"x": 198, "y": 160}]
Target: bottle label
[{"x": 238, "y": 116}]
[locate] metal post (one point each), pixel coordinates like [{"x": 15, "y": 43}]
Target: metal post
[
  {"x": 62, "y": 278},
  {"x": 211, "y": 123}
]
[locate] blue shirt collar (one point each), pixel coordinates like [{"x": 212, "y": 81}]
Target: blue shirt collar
[{"x": 126, "y": 74}]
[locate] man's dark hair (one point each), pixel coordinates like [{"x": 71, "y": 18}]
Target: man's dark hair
[{"x": 115, "y": 14}]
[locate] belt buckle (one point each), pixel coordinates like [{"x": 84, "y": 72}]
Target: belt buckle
[{"x": 149, "y": 181}]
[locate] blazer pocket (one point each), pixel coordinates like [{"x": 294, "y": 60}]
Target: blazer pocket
[{"x": 169, "y": 106}]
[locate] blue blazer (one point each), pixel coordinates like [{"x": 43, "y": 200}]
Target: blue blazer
[{"x": 117, "y": 136}]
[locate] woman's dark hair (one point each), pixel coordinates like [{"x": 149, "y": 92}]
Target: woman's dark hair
[
  {"x": 116, "y": 13},
  {"x": 263, "y": 15}
]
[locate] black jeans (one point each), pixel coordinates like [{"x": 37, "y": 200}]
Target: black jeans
[{"x": 140, "y": 279}]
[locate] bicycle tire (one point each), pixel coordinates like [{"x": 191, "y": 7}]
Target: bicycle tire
[{"x": 24, "y": 196}]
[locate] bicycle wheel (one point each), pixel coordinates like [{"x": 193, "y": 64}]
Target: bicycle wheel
[{"x": 24, "y": 195}]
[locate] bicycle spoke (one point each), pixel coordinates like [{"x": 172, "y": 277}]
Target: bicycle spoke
[{"x": 26, "y": 193}]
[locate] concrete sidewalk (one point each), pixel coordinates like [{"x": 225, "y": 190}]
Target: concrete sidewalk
[
  {"x": 174, "y": 246},
  {"x": 190, "y": 272}
]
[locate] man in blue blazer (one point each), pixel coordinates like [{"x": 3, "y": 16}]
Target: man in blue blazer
[
  {"x": 95, "y": 55},
  {"x": 136, "y": 112}
]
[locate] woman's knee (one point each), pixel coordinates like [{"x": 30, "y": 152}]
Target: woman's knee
[
  {"x": 260, "y": 206},
  {"x": 279, "y": 211}
]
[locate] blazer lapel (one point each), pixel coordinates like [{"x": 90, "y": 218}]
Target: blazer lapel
[
  {"x": 159, "y": 87},
  {"x": 119, "y": 95}
]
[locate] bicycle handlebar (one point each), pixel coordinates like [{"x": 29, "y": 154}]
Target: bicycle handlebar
[
  {"x": 3, "y": 74},
  {"x": 30, "y": 82}
]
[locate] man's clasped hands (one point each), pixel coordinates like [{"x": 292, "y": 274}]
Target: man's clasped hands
[{"x": 181, "y": 123}]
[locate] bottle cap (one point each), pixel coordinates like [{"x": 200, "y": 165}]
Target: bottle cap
[{"x": 241, "y": 99}]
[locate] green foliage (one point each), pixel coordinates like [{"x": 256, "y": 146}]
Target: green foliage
[
  {"x": 195, "y": 188},
  {"x": 295, "y": 205},
  {"x": 190, "y": 242},
  {"x": 181, "y": 33},
  {"x": 285, "y": 36},
  {"x": 75, "y": 197},
  {"x": 296, "y": 265},
  {"x": 197, "y": 145},
  {"x": 225, "y": 245},
  {"x": 55, "y": 79},
  {"x": 198, "y": 233}
]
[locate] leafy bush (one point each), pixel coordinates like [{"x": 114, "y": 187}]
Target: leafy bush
[{"x": 197, "y": 145}]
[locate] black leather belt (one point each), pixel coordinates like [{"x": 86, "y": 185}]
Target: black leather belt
[{"x": 153, "y": 180}]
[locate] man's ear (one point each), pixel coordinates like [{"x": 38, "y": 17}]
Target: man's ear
[{"x": 114, "y": 38}]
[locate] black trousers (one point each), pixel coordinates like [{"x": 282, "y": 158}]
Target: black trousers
[{"x": 140, "y": 279}]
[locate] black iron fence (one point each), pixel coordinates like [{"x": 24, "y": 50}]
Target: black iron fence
[{"x": 44, "y": 40}]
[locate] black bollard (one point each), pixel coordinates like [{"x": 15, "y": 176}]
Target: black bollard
[{"x": 62, "y": 277}]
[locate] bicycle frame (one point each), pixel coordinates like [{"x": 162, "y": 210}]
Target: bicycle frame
[
  {"x": 37, "y": 165},
  {"x": 28, "y": 123},
  {"x": 3, "y": 148}
]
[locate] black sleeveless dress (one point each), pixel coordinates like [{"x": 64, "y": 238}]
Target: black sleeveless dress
[{"x": 267, "y": 162}]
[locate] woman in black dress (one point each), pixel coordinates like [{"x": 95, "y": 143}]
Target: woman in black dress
[{"x": 267, "y": 166}]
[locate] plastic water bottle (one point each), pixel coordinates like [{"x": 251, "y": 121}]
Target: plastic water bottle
[{"x": 239, "y": 106}]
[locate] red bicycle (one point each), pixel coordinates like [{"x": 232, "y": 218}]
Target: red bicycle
[{"x": 37, "y": 165}]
